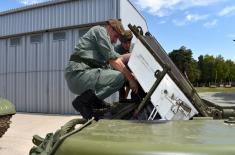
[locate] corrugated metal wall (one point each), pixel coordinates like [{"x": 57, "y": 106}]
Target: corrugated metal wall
[
  {"x": 72, "y": 12},
  {"x": 32, "y": 74}
]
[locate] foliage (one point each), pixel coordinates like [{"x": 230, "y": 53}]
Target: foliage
[
  {"x": 207, "y": 70},
  {"x": 186, "y": 64}
]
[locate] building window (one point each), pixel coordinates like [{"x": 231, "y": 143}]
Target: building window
[
  {"x": 36, "y": 38},
  {"x": 59, "y": 36},
  {"x": 15, "y": 41}
]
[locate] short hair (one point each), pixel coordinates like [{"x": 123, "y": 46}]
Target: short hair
[{"x": 127, "y": 36}]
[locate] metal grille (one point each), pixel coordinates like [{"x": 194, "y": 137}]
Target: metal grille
[
  {"x": 15, "y": 41},
  {"x": 36, "y": 38},
  {"x": 59, "y": 36}
]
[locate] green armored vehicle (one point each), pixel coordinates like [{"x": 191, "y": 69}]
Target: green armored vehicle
[
  {"x": 167, "y": 117},
  {"x": 121, "y": 137},
  {"x": 7, "y": 109}
]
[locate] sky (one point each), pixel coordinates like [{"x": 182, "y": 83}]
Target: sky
[{"x": 204, "y": 26}]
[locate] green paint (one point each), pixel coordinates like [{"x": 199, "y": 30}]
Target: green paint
[
  {"x": 117, "y": 137},
  {"x": 6, "y": 107}
]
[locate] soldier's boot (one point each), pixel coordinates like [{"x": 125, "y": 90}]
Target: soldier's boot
[{"x": 86, "y": 103}]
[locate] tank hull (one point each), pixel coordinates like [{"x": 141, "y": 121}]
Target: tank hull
[{"x": 7, "y": 109}]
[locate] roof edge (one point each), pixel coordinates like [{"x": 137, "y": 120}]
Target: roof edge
[
  {"x": 33, "y": 6},
  {"x": 138, "y": 13},
  {"x": 102, "y": 23}
]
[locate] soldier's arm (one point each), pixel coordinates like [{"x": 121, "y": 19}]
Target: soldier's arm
[{"x": 117, "y": 64}]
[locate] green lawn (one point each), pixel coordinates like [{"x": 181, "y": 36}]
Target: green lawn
[{"x": 218, "y": 89}]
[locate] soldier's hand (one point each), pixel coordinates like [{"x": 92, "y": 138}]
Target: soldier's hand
[
  {"x": 133, "y": 85},
  {"x": 127, "y": 91},
  {"x": 125, "y": 58}
]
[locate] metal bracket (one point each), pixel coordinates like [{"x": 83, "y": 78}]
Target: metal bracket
[
  {"x": 159, "y": 75},
  {"x": 153, "y": 113},
  {"x": 137, "y": 30}
]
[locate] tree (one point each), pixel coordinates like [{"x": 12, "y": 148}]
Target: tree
[
  {"x": 231, "y": 70},
  {"x": 194, "y": 73},
  {"x": 221, "y": 69},
  {"x": 208, "y": 72},
  {"x": 208, "y": 69},
  {"x": 200, "y": 68},
  {"x": 186, "y": 64}
]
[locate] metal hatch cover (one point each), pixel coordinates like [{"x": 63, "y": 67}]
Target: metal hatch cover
[{"x": 174, "y": 98}]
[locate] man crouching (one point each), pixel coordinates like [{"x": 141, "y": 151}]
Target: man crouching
[{"x": 89, "y": 74}]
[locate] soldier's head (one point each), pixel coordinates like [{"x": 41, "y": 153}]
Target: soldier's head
[
  {"x": 126, "y": 39},
  {"x": 115, "y": 29}
]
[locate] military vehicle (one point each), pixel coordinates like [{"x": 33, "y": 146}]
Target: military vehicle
[
  {"x": 7, "y": 109},
  {"x": 166, "y": 117}
]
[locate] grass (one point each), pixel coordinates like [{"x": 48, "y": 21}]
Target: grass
[{"x": 218, "y": 89}]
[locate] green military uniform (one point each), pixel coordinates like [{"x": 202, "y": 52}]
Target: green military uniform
[
  {"x": 125, "y": 38},
  {"x": 120, "y": 50},
  {"x": 88, "y": 67}
]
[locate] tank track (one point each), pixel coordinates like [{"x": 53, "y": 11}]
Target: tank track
[{"x": 4, "y": 124}]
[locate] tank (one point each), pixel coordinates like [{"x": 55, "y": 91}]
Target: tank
[
  {"x": 7, "y": 109},
  {"x": 126, "y": 137},
  {"x": 167, "y": 116}
]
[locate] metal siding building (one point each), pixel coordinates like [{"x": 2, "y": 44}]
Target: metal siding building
[{"x": 36, "y": 42}]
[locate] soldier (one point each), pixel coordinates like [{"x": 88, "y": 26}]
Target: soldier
[
  {"x": 89, "y": 74},
  {"x": 125, "y": 48}
]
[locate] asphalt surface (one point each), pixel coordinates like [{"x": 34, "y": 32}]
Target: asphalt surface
[
  {"x": 222, "y": 99},
  {"x": 18, "y": 139}
]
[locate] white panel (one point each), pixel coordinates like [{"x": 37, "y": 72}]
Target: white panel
[
  {"x": 130, "y": 15},
  {"x": 167, "y": 98},
  {"x": 142, "y": 60}
]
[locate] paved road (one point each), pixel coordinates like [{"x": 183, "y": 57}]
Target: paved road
[
  {"x": 222, "y": 99},
  {"x": 18, "y": 139}
]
